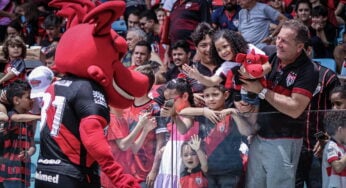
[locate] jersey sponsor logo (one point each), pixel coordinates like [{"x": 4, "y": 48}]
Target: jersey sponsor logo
[
  {"x": 188, "y": 5},
  {"x": 99, "y": 98},
  {"x": 291, "y": 78},
  {"x": 49, "y": 161},
  {"x": 47, "y": 178}
]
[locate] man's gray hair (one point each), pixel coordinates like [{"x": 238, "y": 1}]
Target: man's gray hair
[
  {"x": 138, "y": 32},
  {"x": 300, "y": 28}
]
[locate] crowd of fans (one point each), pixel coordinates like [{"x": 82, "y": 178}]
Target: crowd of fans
[{"x": 235, "y": 98}]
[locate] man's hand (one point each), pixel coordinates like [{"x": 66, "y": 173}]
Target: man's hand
[
  {"x": 318, "y": 148},
  {"x": 253, "y": 86}
]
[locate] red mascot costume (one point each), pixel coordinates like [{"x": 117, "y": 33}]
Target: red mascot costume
[
  {"x": 251, "y": 66},
  {"x": 75, "y": 111}
]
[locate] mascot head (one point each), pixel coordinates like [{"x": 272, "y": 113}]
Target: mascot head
[
  {"x": 91, "y": 49},
  {"x": 252, "y": 63}
]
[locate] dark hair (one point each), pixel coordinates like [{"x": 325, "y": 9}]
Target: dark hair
[
  {"x": 149, "y": 15},
  {"x": 237, "y": 42},
  {"x": 219, "y": 87},
  {"x": 52, "y": 21},
  {"x": 135, "y": 12},
  {"x": 303, "y": 2},
  {"x": 302, "y": 31},
  {"x": 201, "y": 31},
  {"x": 333, "y": 120},
  {"x": 143, "y": 43},
  {"x": 181, "y": 86},
  {"x": 319, "y": 11},
  {"x": 16, "y": 41},
  {"x": 16, "y": 25},
  {"x": 148, "y": 71},
  {"x": 181, "y": 44},
  {"x": 339, "y": 89},
  {"x": 16, "y": 89}
]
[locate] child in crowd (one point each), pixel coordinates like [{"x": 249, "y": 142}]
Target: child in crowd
[
  {"x": 178, "y": 96},
  {"x": 135, "y": 136},
  {"x": 334, "y": 153},
  {"x": 14, "y": 51},
  {"x": 51, "y": 24},
  {"x": 19, "y": 138},
  {"x": 121, "y": 139},
  {"x": 221, "y": 137},
  {"x": 48, "y": 54},
  {"x": 338, "y": 97},
  {"x": 195, "y": 163},
  {"x": 226, "y": 44}
]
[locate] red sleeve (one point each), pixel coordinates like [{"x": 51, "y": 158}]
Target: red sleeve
[
  {"x": 118, "y": 128},
  {"x": 91, "y": 133}
]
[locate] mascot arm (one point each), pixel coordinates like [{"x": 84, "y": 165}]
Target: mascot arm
[{"x": 92, "y": 136}]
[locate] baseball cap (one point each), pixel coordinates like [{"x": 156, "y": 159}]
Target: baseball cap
[{"x": 39, "y": 79}]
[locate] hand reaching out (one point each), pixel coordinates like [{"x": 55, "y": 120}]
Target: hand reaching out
[
  {"x": 195, "y": 142},
  {"x": 191, "y": 72}
]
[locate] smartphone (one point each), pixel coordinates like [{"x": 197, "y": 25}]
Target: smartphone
[
  {"x": 169, "y": 103},
  {"x": 321, "y": 136}
]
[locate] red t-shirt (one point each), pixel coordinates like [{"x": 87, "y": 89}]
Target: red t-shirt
[{"x": 195, "y": 179}]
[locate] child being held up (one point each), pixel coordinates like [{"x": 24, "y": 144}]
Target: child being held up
[
  {"x": 195, "y": 163},
  {"x": 334, "y": 153}
]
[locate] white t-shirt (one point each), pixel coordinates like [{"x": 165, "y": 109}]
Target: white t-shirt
[{"x": 331, "y": 179}]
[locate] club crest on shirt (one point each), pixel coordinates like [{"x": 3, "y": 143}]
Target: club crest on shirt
[
  {"x": 188, "y": 5},
  {"x": 222, "y": 128},
  {"x": 291, "y": 78},
  {"x": 198, "y": 181}
]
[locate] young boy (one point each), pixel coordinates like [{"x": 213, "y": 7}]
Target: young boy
[
  {"x": 334, "y": 153},
  {"x": 19, "y": 138}
]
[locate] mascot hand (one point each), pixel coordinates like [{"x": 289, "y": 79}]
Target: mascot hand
[{"x": 92, "y": 136}]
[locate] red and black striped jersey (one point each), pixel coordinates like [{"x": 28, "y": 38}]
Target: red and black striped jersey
[{"x": 66, "y": 103}]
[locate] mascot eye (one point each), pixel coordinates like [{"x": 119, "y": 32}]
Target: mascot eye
[{"x": 248, "y": 61}]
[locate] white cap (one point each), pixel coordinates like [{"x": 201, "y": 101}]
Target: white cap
[{"x": 39, "y": 79}]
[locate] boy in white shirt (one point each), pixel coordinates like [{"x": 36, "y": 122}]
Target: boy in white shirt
[{"x": 334, "y": 153}]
